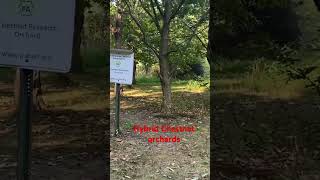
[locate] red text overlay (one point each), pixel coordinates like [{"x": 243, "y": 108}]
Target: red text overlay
[{"x": 163, "y": 129}]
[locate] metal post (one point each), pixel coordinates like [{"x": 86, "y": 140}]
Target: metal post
[
  {"x": 24, "y": 124},
  {"x": 117, "y": 109}
]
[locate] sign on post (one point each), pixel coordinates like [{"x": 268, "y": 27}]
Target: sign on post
[
  {"x": 121, "y": 66},
  {"x": 121, "y": 72},
  {"x": 37, "y": 34},
  {"x": 34, "y": 35}
]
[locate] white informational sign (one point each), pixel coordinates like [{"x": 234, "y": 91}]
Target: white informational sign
[
  {"x": 37, "y": 34},
  {"x": 121, "y": 68}
]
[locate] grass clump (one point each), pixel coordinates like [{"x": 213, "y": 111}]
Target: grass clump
[
  {"x": 268, "y": 78},
  {"x": 198, "y": 84},
  {"x": 147, "y": 80}
]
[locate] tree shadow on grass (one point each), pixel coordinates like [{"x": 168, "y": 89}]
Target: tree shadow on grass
[{"x": 184, "y": 103}]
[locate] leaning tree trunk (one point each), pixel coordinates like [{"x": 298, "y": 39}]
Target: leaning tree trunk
[{"x": 165, "y": 76}]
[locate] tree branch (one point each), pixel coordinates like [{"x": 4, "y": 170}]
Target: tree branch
[
  {"x": 194, "y": 33},
  {"x": 155, "y": 2},
  {"x": 156, "y": 15},
  {"x": 144, "y": 36},
  {"x": 177, "y": 10},
  {"x": 153, "y": 17}
]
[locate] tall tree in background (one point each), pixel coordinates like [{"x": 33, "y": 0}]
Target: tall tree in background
[
  {"x": 155, "y": 20},
  {"x": 79, "y": 21},
  {"x": 117, "y": 30}
]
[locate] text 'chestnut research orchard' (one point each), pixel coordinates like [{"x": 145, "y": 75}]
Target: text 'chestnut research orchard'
[
  {"x": 121, "y": 68},
  {"x": 37, "y": 35}
]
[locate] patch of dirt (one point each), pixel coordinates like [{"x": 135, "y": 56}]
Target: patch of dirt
[
  {"x": 66, "y": 144},
  {"x": 133, "y": 157}
]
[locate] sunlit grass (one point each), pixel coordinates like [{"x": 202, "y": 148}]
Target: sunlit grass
[
  {"x": 76, "y": 99},
  {"x": 262, "y": 78},
  {"x": 185, "y": 99}
]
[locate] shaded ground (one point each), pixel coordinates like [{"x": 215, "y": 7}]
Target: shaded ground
[
  {"x": 266, "y": 138},
  {"x": 264, "y": 127},
  {"x": 68, "y": 136},
  {"x": 133, "y": 157}
]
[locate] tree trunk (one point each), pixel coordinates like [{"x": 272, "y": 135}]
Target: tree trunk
[
  {"x": 77, "y": 59},
  {"x": 165, "y": 76},
  {"x": 165, "y": 84},
  {"x": 147, "y": 69},
  {"x": 118, "y": 28},
  {"x": 118, "y": 34},
  {"x": 210, "y": 47}
]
